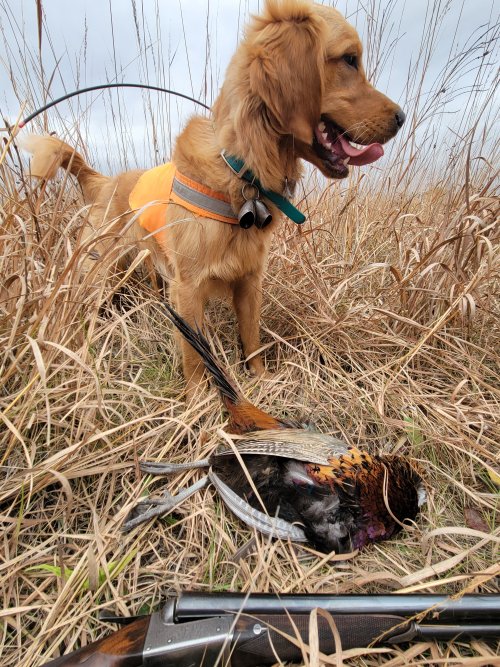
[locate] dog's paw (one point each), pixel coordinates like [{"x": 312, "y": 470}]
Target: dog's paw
[{"x": 260, "y": 371}]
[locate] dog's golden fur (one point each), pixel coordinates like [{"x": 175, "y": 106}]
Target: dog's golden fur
[{"x": 293, "y": 68}]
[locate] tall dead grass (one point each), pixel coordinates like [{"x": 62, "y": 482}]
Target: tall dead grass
[{"x": 380, "y": 324}]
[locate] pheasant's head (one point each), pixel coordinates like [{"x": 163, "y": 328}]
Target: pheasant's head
[
  {"x": 376, "y": 495},
  {"x": 390, "y": 494}
]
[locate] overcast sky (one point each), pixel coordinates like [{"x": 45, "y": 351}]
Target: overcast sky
[{"x": 186, "y": 45}]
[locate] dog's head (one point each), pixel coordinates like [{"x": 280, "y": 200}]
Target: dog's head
[{"x": 297, "y": 79}]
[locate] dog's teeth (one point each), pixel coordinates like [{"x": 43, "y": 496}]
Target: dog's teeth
[
  {"x": 346, "y": 161},
  {"x": 322, "y": 127}
]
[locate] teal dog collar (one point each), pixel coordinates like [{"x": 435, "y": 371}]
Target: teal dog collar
[{"x": 237, "y": 166}]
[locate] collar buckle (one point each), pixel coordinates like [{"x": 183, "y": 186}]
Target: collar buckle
[{"x": 233, "y": 164}]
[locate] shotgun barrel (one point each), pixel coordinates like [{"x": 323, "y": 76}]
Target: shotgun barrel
[{"x": 191, "y": 605}]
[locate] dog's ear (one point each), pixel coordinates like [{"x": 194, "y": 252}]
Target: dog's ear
[
  {"x": 286, "y": 69},
  {"x": 284, "y": 54}
]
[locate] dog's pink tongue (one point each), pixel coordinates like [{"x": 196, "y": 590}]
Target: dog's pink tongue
[{"x": 361, "y": 156}]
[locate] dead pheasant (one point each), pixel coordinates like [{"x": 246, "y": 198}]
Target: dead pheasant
[{"x": 298, "y": 484}]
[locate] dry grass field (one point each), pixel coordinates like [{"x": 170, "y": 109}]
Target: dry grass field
[{"x": 380, "y": 325}]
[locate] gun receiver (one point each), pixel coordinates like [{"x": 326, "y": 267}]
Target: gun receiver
[{"x": 239, "y": 630}]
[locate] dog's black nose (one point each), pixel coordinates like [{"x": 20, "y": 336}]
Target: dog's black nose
[{"x": 400, "y": 117}]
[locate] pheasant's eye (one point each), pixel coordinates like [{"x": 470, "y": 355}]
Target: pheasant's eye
[{"x": 351, "y": 60}]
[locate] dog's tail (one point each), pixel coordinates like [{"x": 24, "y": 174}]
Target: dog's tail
[
  {"x": 50, "y": 153},
  {"x": 243, "y": 415}
]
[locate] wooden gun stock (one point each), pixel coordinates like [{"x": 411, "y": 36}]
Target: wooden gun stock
[{"x": 123, "y": 648}]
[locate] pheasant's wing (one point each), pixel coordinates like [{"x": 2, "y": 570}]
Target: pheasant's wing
[{"x": 290, "y": 443}]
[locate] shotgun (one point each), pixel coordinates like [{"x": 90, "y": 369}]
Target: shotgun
[{"x": 231, "y": 629}]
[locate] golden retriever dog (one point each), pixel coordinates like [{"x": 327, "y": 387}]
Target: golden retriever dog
[{"x": 294, "y": 90}]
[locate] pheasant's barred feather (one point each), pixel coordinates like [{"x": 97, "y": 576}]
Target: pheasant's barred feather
[
  {"x": 297, "y": 444},
  {"x": 227, "y": 389}
]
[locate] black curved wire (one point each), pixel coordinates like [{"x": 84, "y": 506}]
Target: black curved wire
[{"x": 102, "y": 87}]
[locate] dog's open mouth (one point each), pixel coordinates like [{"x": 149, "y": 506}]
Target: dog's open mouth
[{"x": 333, "y": 145}]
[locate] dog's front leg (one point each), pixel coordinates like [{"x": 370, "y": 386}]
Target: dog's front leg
[
  {"x": 190, "y": 304},
  {"x": 247, "y": 300}
]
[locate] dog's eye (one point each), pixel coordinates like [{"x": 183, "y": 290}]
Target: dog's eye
[{"x": 352, "y": 61}]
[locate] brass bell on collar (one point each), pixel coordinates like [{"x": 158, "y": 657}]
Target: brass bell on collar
[
  {"x": 248, "y": 214},
  {"x": 263, "y": 216}
]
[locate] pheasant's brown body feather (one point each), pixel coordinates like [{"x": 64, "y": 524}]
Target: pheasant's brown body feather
[{"x": 244, "y": 417}]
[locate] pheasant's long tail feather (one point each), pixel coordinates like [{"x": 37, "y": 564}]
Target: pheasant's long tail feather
[
  {"x": 229, "y": 392},
  {"x": 244, "y": 416},
  {"x": 50, "y": 153}
]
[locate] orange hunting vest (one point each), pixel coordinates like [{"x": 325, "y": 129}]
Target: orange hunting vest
[{"x": 164, "y": 184}]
